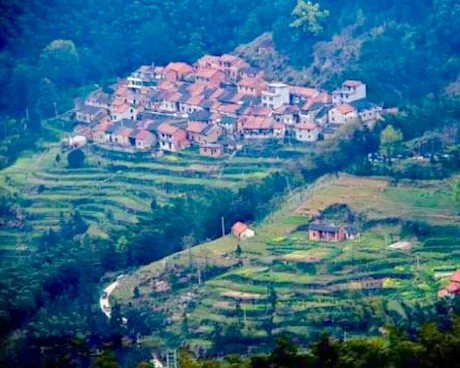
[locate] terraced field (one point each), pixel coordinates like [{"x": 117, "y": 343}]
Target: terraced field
[
  {"x": 318, "y": 286},
  {"x": 115, "y": 188}
]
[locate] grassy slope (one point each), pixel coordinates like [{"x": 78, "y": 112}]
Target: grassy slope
[
  {"x": 308, "y": 301},
  {"x": 114, "y": 198}
]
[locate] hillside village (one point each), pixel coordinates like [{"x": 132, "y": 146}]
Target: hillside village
[{"x": 215, "y": 105}]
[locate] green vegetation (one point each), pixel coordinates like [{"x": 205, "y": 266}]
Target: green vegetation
[
  {"x": 313, "y": 286},
  {"x": 63, "y": 227}
]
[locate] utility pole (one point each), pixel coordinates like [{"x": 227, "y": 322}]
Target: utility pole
[
  {"x": 222, "y": 222},
  {"x": 198, "y": 270},
  {"x": 288, "y": 186},
  {"x": 190, "y": 256}
]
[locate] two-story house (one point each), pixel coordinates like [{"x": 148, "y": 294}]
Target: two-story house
[
  {"x": 306, "y": 132},
  {"x": 276, "y": 95},
  {"x": 343, "y": 114},
  {"x": 172, "y": 138},
  {"x": 90, "y": 114},
  {"x": 368, "y": 112},
  {"x": 351, "y": 90},
  {"x": 251, "y": 86},
  {"x": 259, "y": 127},
  {"x": 287, "y": 114},
  {"x": 201, "y": 133}
]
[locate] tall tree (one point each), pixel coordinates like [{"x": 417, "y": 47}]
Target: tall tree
[
  {"x": 390, "y": 138},
  {"x": 309, "y": 18},
  {"x": 60, "y": 62}
]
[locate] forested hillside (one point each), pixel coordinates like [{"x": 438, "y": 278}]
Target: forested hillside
[
  {"x": 52, "y": 52},
  {"x": 48, "y": 49}
]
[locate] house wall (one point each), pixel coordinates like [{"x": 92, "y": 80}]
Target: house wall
[
  {"x": 248, "y": 233},
  {"x": 258, "y": 133},
  {"x": 307, "y": 135},
  {"x": 100, "y": 137},
  {"x": 121, "y": 140},
  {"x": 211, "y": 152},
  {"x": 370, "y": 115},
  {"x": 335, "y": 116},
  {"x": 145, "y": 143},
  {"x": 275, "y": 97},
  {"x": 168, "y": 106},
  {"x": 85, "y": 118},
  {"x": 288, "y": 119},
  {"x": 345, "y": 94},
  {"x": 313, "y": 235}
]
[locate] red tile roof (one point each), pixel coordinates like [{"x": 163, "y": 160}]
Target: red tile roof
[
  {"x": 306, "y": 126},
  {"x": 217, "y": 93},
  {"x": 229, "y": 58},
  {"x": 143, "y": 134},
  {"x": 180, "y": 68},
  {"x": 455, "y": 276},
  {"x": 345, "y": 108},
  {"x": 257, "y": 111},
  {"x": 197, "y": 88},
  {"x": 251, "y": 82},
  {"x": 239, "y": 227},
  {"x": 302, "y": 91},
  {"x": 166, "y": 128},
  {"x": 279, "y": 126},
  {"x": 196, "y": 127},
  {"x": 323, "y": 97},
  {"x": 101, "y": 127},
  {"x": 453, "y": 288},
  {"x": 256, "y": 122},
  {"x": 166, "y": 84},
  {"x": 174, "y": 97},
  {"x": 352, "y": 83},
  {"x": 206, "y": 73},
  {"x": 228, "y": 108},
  {"x": 125, "y": 132},
  {"x": 287, "y": 109},
  {"x": 195, "y": 100},
  {"x": 120, "y": 108}
]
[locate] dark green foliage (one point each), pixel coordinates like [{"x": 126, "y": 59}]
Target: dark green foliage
[{"x": 76, "y": 159}]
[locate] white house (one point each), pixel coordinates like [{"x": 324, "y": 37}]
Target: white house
[
  {"x": 242, "y": 231},
  {"x": 368, "y": 112},
  {"x": 276, "y": 95},
  {"x": 306, "y": 132},
  {"x": 351, "y": 90},
  {"x": 343, "y": 114}
]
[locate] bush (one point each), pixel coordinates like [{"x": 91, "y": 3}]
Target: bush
[{"x": 76, "y": 159}]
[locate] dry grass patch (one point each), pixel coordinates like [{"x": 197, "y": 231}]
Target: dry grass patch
[
  {"x": 241, "y": 295},
  {"x": 310, "y": 255}
]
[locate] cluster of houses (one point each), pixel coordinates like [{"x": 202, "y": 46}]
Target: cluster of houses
[{"x": 215, "y": 104}]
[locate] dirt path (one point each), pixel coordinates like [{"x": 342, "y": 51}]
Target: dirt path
[{"x": 104, "y": 299}]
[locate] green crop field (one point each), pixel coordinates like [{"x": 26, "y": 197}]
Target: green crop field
[{"x": 318, "y": 286}]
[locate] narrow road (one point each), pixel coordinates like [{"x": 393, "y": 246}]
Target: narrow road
[{"x": 104, "y": 299}]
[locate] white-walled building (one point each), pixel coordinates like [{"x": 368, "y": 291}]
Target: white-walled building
[
  {"x": 343, "y": 114},
  {"x": 351, "y": 90},
  {"x": 276, "y": 95},
  {"x": 306, "y": 132}
]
